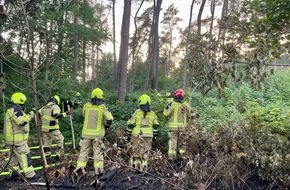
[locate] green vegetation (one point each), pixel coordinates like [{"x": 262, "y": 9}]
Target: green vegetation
[{"x": 244, "y": 106}]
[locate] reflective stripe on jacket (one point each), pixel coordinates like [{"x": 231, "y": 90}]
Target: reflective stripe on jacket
[
  {"x": 48, "y": 121},
  {"x": 177, "y": 113},
  {"x": 95, "y": 120},
  {"x": 143, "y": 125},
  {"x": 16, "y": 125}
]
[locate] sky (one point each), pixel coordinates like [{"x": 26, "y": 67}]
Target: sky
[{"x": 182, "y": 5}]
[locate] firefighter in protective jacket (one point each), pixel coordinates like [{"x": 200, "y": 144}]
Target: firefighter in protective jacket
[
  {"x": 49, "y": 114},
  {"x": 143, "y": 127},
  {"x": 97, "y": 120},
  {"x": 16, "y": 131},
  {"x": 177, "y": 112}
]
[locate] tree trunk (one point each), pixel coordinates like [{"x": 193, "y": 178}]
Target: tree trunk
[
  {"x": 47, "y": 57},
  {"x": 211, "y": 52},
  {"x": 123, "y": 57},
  {"x": 93, "y": 60},
  {"x": 149, "y": 53},
  {"x": 76, "y": 47},
  {"x": 186, "y": 47},
  {"x": 32, "y": 72},
  {"x": 212, "y": 11},
  {"x": 134, "y": 45},
  {"x": 155, "y": 56},
  {"x": 84, "y": 60},
  {"x": 97, "y": 64},
  {"x": 114, "y": 41},
  {"x": 222, "y": 32},
  {"x": 199, "y": 17},
  {"x": 61, "y": 19}
]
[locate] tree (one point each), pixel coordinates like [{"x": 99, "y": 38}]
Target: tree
[
  {"x": 105, "y": 68},
  {"x": 201, "y": 8},
  {"x": 52, "y": 31},
  {"x": 123, "y": 56},
  {"x": 170, "y": 21},
  {"x": 155, "y": 53},
  {"x": 259, "y": 28},
  {"x": 114, "y": 40},
  {"x": 206, "y": 69},
  {"x": 145, "y": 36},
  {"x": 76, "y": 45},
  {"x": 185, "y": 63},
  {"x": 134, "y": 44}
]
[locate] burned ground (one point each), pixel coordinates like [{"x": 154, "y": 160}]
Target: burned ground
[{"x": 228, "y": 158}]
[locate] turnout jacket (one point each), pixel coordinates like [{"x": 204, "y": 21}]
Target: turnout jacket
[
  {"x": 177, "y": 113},
  {"x": 49, "y": 115},
  {"x": 140, "y": 125},
  {"x": 97, "y": 118},
  {"x": 16, "y": 127}
]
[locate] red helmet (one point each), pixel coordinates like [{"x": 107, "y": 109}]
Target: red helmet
[{"x": 179, "y": 93}]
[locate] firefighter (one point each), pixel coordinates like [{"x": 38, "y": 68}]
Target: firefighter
[
  {"x": 49, "y": 114},
  {"x": 177, "y": 112},
  {"x": 16, "y": 131},
  {"x": 143, "y": 127},
  {"x": 97, "y": 120}
]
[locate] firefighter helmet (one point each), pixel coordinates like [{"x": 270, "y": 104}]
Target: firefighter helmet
[
  {"x": 18, "y": 98},
  {"x": 179, "y": 93},
  {"x": 97, "y": 93},
  {"x": 144, "y": 99},
  {"x": 56, "y": 98}
]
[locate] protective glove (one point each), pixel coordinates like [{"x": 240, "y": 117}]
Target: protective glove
[
  {"x": 154, "y": 138},
  {"x": 107, "y": 127},
  {"x": 69, "y": 112},
  {"x": 106, "y": 131},
  {"x": 32, "y": 112},
  {"x": 155, "y": 131}
]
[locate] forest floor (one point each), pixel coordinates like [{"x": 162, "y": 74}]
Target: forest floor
[
  {"x": 204, "y": 167},
  {"x": 123, "y": 178}
]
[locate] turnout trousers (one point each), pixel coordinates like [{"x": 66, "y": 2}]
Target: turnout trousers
[
  {"x": 141, "y": 147},
  {"x": 55, "y": 136},
  {"x": 175, "y": 144},
  {"x": 21, "y": 157},
  {"x": 98, "y": 157}
]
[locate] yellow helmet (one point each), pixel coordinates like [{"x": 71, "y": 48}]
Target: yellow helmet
[
  {"x": 97, "y": 93},
  {"x": 144, "y": 99},
  {"x": 56, "y": 97},
  {"x": 168, "y": 94},
  {"x": 18, "y": 98}
]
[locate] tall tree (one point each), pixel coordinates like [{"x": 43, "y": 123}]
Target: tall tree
[
  {"x": 141, "y": 46},
  {"x": 84, "y": 65},
  {"x": 123, "y": 56},
  {"x": 169, "y": 23},
  {"x": 150, "y": 48},
  {"x": 212, "y": 11},
  {"x": 155, "y": 53},
  {"x": 222, "y": 29},
  {"x": 76, "y": 46},
  {"x": 185, "y": 63},
  {"x": 114, "y": 40},
  {"x": 134, "y": 42},
  {"x": 201, "y": 8}
]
